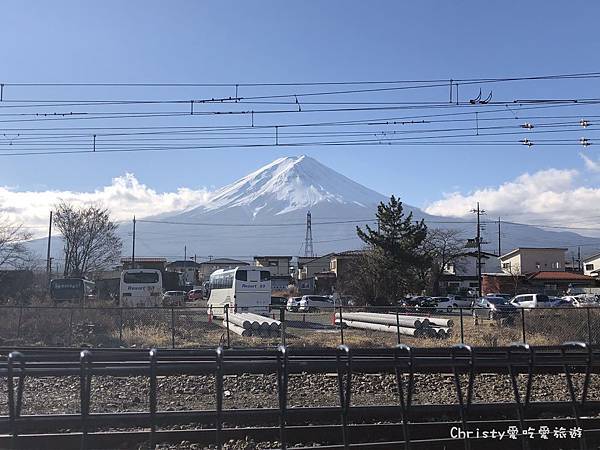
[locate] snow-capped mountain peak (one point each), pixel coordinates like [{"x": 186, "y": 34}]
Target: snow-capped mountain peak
[{"x": 288, "y": 184}]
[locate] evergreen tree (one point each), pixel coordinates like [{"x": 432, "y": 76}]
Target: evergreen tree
[{"x": 396, "y": 252}]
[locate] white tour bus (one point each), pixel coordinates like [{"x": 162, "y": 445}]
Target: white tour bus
[
  {"x": 242, "y": 288},
  {"x": 140, "y": 287}
]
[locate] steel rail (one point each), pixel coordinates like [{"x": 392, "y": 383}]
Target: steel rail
[
  {"x": 238, "y": 417},
  {"x": 173, "y": 362},
  {"x": 338, "y": 426},
  {"x": 423, "y": 435}
]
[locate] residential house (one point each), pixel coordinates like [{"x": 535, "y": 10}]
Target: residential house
[
  {"x": 308, "y": 267},
  {"x": 278, "y": 265},
  {"x": 547, "y": 282},
  {"x": 145, "y": 263},
  {"x": 188, "y": 270},
  {"x": 205, "y": 268},
  {"x": 342, "y": 265},
  {"x": 525, "y": 260},
  {"x": 462, "y": 275}
]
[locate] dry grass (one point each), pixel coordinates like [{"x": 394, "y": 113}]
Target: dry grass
[
  {"x": 147, "y": 336},
  {"x": 152, "y": 328}
]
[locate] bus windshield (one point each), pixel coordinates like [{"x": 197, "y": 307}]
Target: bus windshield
[
  {"x": 60, "y": 285},
  {"x": 140, "y": 277},
  {"x": 66, "y": 289}
]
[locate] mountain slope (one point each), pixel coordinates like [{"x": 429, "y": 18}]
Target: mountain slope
[
  {"x": 267, "y": 210},
  {"x": 265, "y": 213}
]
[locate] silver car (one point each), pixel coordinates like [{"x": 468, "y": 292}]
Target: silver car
[
  {"x": 314, "y": 303},
  {"x": 493, "y": 308},
  {"x": 174, "y": 298},
  {"x": 293, "y": 304}
]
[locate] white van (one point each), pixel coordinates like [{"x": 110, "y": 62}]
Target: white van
[{"x": 532, "y": 301}]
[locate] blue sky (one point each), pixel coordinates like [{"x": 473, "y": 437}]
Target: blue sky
[{"x": 275, "y": 41}]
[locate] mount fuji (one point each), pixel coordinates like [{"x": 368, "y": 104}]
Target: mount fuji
[{"x": 264, "y": 213}]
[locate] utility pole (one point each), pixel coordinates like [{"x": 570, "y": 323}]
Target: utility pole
[
  {"x": 48, "y": 259},
  {"x": 185, "y": 252},
  {"x": 499, "y": 239},
  {"x": 133, "y": 246},
  {"x": 478, "y": 211},
  {"x": 578, "y": 259}
]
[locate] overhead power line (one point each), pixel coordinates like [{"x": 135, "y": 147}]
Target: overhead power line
[{"x": 580, "y": 75}]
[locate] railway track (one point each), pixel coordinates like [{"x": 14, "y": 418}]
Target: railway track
[{"x": 404, "y": 425}]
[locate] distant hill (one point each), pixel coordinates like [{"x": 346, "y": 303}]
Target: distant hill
[{"x": 264, "y": 213}]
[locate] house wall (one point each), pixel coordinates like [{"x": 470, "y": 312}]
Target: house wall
[
  {"x": 512, "y": 264},
  {"x": 278, "y": 266},
  {"x": 500, "y": 283},
  {"x": 309, "y": 269},
  {"x": 534, "y": 260},
  {"x": 467, "y": 265},
  {"x": 188, "y": 273}
]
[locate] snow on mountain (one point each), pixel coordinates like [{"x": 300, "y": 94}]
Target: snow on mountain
[
  {"x": 265, "y": 213},
  {"x": 289, "y": 184}
]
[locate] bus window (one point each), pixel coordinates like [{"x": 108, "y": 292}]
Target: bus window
[
  {"x": 265, "y": 275},
  {"x": 241, "y": 275},
  {"x": 140, "y": 277}
]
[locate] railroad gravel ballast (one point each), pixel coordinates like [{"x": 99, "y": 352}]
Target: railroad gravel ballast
[{"x": 402, "y": 422}]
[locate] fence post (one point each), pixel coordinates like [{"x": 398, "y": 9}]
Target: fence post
[
  {"x": 523, "y": 324},
  {"x": 19, "y": 324},
  {"x": 397, "y": 325},
  {"x": 341, "y": 326},
  {"x": 71, "y": 327},
  {"x": 172, "y": 327},
  {"x": 121, "y": 325},
  {"x": 227, "y": 325},
  {"x": 462, "y": 327},
  {"x": 589, "y": 326},
  {"x": 282, "y": 320}
]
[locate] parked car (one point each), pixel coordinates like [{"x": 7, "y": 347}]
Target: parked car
[
  {"x": 410, "y": 302},
  {"x": 506, "y": 297},
  {"x": 461, "y": 301},
  {"x": 493, "y": 308},
  {"x": 314, "y": 303},
  {"x": 278, "y": 303},
  {"x": 445, "y": 304},
  {"x": 173, "y": 298},
  {"x": 293, "y": 304},
  {"x": 581, "y": 301},
  {"x": 194, "y": 294},
  {"x": 562, "y": 303},
  {"x": 531, "y": 301}
]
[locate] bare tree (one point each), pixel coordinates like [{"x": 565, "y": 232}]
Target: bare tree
[
  {"x": 444, "y": 247},
  {"x": 90, "y": 238},
  {"x": 13, "y": 251},
  {"x": 365, "y": 280},
  {"x": 516, "y": 279}
]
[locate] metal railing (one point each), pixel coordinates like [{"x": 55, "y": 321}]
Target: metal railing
[
  {"x": 196, "y": 327},
  {"x": 403, "y": 423}
]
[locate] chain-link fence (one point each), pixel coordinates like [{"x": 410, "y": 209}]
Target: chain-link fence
[{"x": 197, "y": 327}]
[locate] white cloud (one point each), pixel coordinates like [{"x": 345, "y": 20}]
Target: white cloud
[
  {"x": 550, "y": 197},
  {"x": 590, "y": 164},
  {"x": 125, "y": 196}
]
